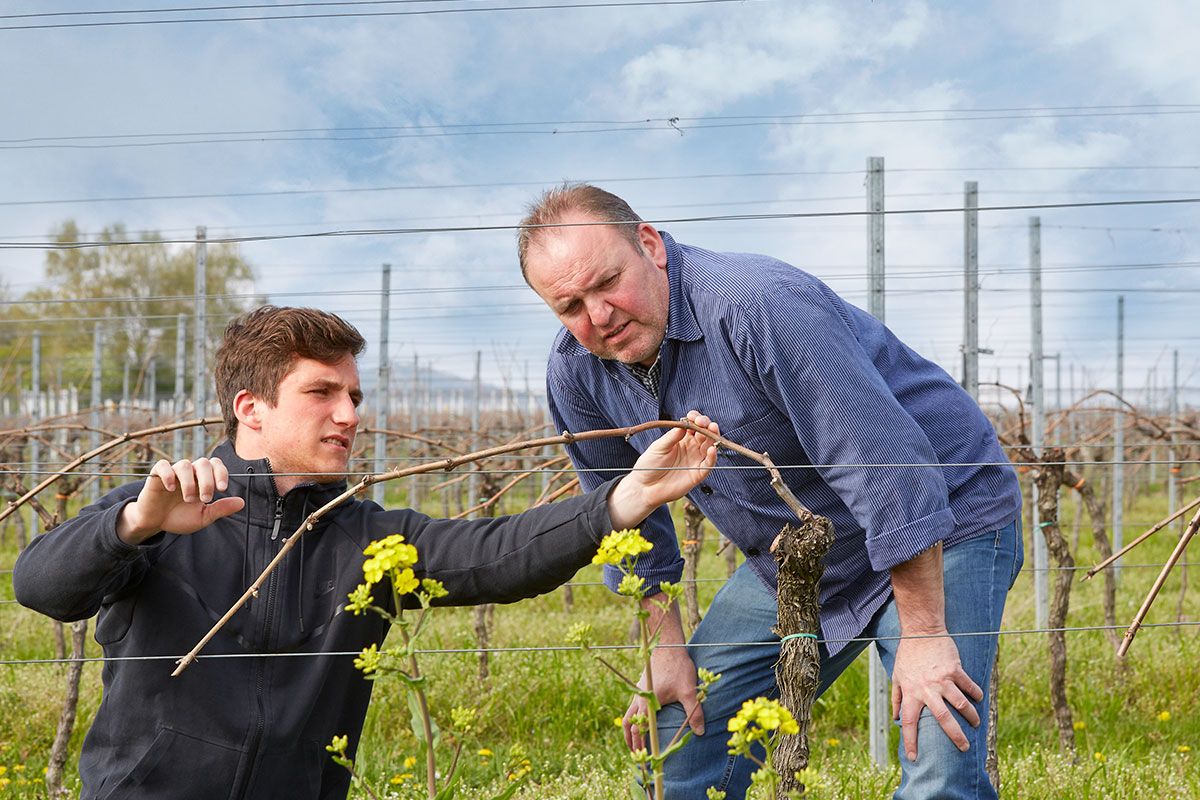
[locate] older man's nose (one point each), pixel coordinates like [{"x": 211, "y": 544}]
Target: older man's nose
[{"x": 599, "y": 311}]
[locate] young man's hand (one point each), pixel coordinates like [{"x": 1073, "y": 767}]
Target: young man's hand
[
  {"x": 670, "y": 468},
  {"x": 178, "y": 498}
]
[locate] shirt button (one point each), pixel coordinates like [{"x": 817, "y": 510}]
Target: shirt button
[
  {"x": 705, "y": 488},
  {"x": 753, "y": 551}
]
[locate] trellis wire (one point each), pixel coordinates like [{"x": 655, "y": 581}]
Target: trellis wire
[{"x": 611, "y": 647}]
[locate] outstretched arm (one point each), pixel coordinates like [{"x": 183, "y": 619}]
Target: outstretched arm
[{"x": 67, "y": 572}]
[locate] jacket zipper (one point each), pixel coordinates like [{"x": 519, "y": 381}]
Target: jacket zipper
[
  {"x": 260, "y": 677},
  {"x": 278, "y": 518}
]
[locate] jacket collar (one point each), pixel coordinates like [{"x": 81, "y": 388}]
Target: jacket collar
[{"x": 254, "y": 481}]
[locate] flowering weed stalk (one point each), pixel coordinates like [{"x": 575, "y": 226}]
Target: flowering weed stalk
[
  {"x": 763, "y": 721},
  {"x": 393, "y": 559},
  {"x": 622, "y": 549}
]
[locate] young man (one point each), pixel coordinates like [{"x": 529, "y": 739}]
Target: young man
[
  {"x": 162, "y": 559},
  {"x": 652, "y": 328}
]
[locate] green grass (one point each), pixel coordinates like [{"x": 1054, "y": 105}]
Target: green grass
[{"x": 557, "y": 707}]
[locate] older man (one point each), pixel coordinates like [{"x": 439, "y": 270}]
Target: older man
[
  {"x": 883, "y": 442},
  {"x": 162, "y": 558}
]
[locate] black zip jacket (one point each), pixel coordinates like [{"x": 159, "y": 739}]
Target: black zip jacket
[{"x": 256, "y": 727}]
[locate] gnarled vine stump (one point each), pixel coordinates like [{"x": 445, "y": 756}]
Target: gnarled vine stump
[
  {"x": 798, "y": 552},
  {"x": 1049, "y": 477}
]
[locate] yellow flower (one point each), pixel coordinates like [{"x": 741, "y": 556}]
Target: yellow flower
[
  {"x": 18, "y": 767},
  {"x": 1079, "y": 725},
  {"x": 580, "y": 634},
  {"x": 387, "y": 554},
  {"x": 619, "y": 722},
  {"x": 462, "y": 718},
  {"x": 631, "y": 585},
  {"x": 620, "y": 546},
  {"x": 368, "y": 660},
  {"x": 1164, "y": 716},
  {"x": 338, "y": 745},
  {"x": 405, "y": 582},
  {"x": 3, "y": 769},
  {"x": 484, "y": 753},
  {"x": 4, "y": 782},
  {"x": 434, "y": 589},
  {"x": 811, "y": 779},
  {"x": 396, "y": 780},
  {"x": 360, "y": 599},
  {"x": 410, "y": 762},
  {"x": 757, "y": 720},
  {"x": 833, "y": 742},
  {"x": 520, "y": 771},
  {"x": 1183, "y": 748},
  {"x": 1100, "y": 757}
]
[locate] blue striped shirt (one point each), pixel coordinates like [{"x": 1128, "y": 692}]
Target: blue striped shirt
[{"x": 787, "y": 367}]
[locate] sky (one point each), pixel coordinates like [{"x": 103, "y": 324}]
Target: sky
[{"x": 386, "y": 121}]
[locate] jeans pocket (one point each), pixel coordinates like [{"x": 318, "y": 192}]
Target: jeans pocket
[{"x": 1018, "y": 549}]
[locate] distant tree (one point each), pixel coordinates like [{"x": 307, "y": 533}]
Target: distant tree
[{"x": 136, "y": 291}]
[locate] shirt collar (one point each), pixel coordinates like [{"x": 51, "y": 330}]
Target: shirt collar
[{"x": 681, "y": 320}]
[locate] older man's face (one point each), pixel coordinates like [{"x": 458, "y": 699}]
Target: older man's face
[{"x": 612, "y": 296}]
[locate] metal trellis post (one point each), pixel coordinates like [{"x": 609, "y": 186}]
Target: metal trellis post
[
  {"x": 180, "y": 370},
  {"x": 35, "y": 447},
  {"x": 1118, "y": 482},
  {"x": 200, "y": 381},
  {"x": 879, "y": 717},
  {"x": 1037, "y": 413},
  {"x": 970, "y": 371},
  {"x": 94, "y": 438},
  {"x": 381, "y": 388}
]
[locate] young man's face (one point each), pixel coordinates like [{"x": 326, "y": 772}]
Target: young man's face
[
  {"x": 310, "y": 429},
  {"x": 612, "y": 297}
]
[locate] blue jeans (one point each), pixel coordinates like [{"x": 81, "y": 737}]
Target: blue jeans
[{"x": 978, "y": 575}]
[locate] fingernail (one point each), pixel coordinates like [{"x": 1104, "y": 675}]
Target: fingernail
[{"x": 911, "y": 756}]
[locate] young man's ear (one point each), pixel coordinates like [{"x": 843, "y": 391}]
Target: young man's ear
[{"x": 247, "y": 407}]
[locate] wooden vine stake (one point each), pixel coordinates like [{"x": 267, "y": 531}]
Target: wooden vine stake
[
  {"x": 1048, "y": 478},
  {"x": 55, "y": 768},
  {"x": 798, "y": 552},
  {"x": 693, "y": 540}
]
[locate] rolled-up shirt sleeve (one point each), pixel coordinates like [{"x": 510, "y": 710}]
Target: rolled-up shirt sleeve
[{"x": 864, "y": 444}]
